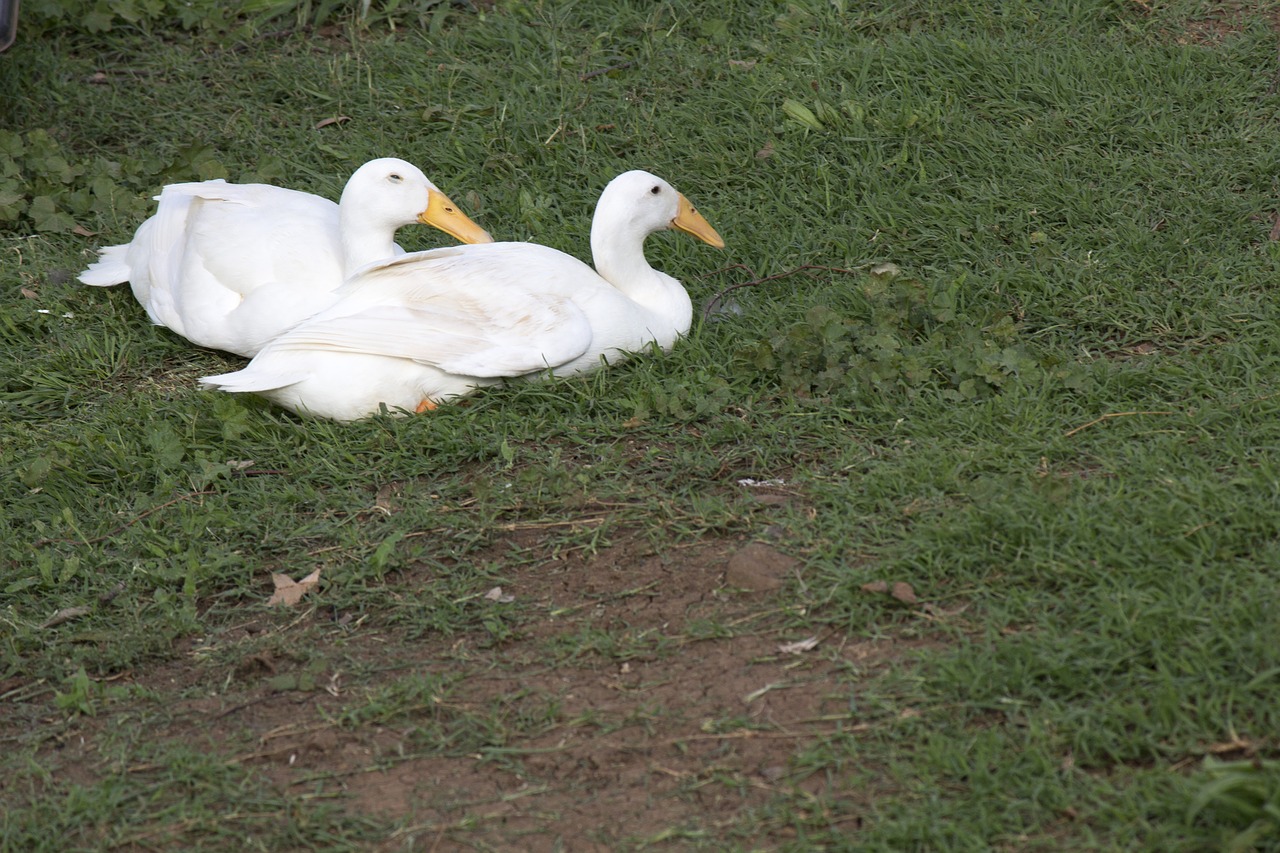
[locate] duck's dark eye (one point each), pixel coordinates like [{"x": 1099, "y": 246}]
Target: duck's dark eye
[
  {"x": 656, "y": 190},
  {"x": 394, "y": 177}
]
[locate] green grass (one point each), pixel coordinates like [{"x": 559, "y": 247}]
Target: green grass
[{"x": 1059, "y": 422}]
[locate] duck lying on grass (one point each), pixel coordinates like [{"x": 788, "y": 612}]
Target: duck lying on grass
[
  {"x": 230, "y": 266},
  {"x": 413, "y": 331}
]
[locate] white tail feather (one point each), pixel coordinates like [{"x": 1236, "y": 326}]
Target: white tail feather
[{"x": 111, "y": 268}]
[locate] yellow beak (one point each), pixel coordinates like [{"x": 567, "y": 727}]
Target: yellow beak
[
  {"x": 442, "y": 213},
  {"x": 690, "y": 221}
]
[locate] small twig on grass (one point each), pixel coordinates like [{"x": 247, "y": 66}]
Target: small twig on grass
[
  {"x": 1254, "y": 400},
  {"x": 617, "y": 596},
  {"x": 1275, "y": 80},
  {"x": 110, "y": 595},
  {"x": 543, "y": 525},
  {"x": 42, "y": 542},
  {"x": 181, "y": 827},
  {"x": 582, "y": 78},
  {"x": 237, "y": 708},
  {"x": 17, "y": 694},
  {"x": 1108, "y": 416},
  {"x": 101, "y": 77},
  {"x": 292, "y": 729},
  {"x": 66, "y": 614},
  {"x": 387, "y": 764},
  {"x": 1238, "y": 744},
  {"x": 749, "y": 734},
  {"x": 718, "y": 299}
]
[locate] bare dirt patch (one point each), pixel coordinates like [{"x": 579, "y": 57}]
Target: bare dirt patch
[
  {"x": 644, "y": 698},
  {"x": 1217, "y": 22}
]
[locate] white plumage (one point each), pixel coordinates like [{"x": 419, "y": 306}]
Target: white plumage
[
  {"x": 230, "y": 266},
  {"x": 412, "y": 331}
]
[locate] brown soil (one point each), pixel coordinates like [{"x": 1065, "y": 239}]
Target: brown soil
[
  {"x": 1216, "y": 22},
  {"x": 679, "y": 716}
]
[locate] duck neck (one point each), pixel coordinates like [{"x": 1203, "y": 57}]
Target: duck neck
[
  {"x": 619, "y": 258},
  {"x": 364, "y": 240}
]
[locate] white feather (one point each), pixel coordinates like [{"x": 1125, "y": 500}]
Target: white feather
[
  {"x": 415, "y": 330},
  {"x": 230, "y": 266}
]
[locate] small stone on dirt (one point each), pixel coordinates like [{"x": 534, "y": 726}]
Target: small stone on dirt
[{"x": 758, "y": 568}]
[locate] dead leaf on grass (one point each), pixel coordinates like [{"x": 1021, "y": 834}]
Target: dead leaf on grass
[
  {"x": 744, "y": 64},
  {"x": 496, "y": 594},
  {"x": 66, "y": 614},
  {"x": 28, "y": 293},
  {"x": 904, "y": 593},
  {"x": 83, "y": 232},
  {"x": 798, "y": 646},
  {"x": 766, "y": 152},
  {"x": 332, "y": 688},
  {"x": 382, "y": 501},
  {"x": 325, "y": 122},
  {"x": 289, "y": 592},
  {"x": 1236, "y": 744},
  {"x": 901, "y": 590}
]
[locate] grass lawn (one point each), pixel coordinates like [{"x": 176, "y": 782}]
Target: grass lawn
[{"x": 992, "y": 421}]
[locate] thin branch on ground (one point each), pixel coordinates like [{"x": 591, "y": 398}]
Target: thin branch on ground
[
  {"x": 582, "y": 78},
  {"x": 1107, "y": 417}
]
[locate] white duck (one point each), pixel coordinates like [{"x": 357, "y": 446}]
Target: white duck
[
  {"x": 412, "y": 331},
  {"x": 230, "y": 266}
]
